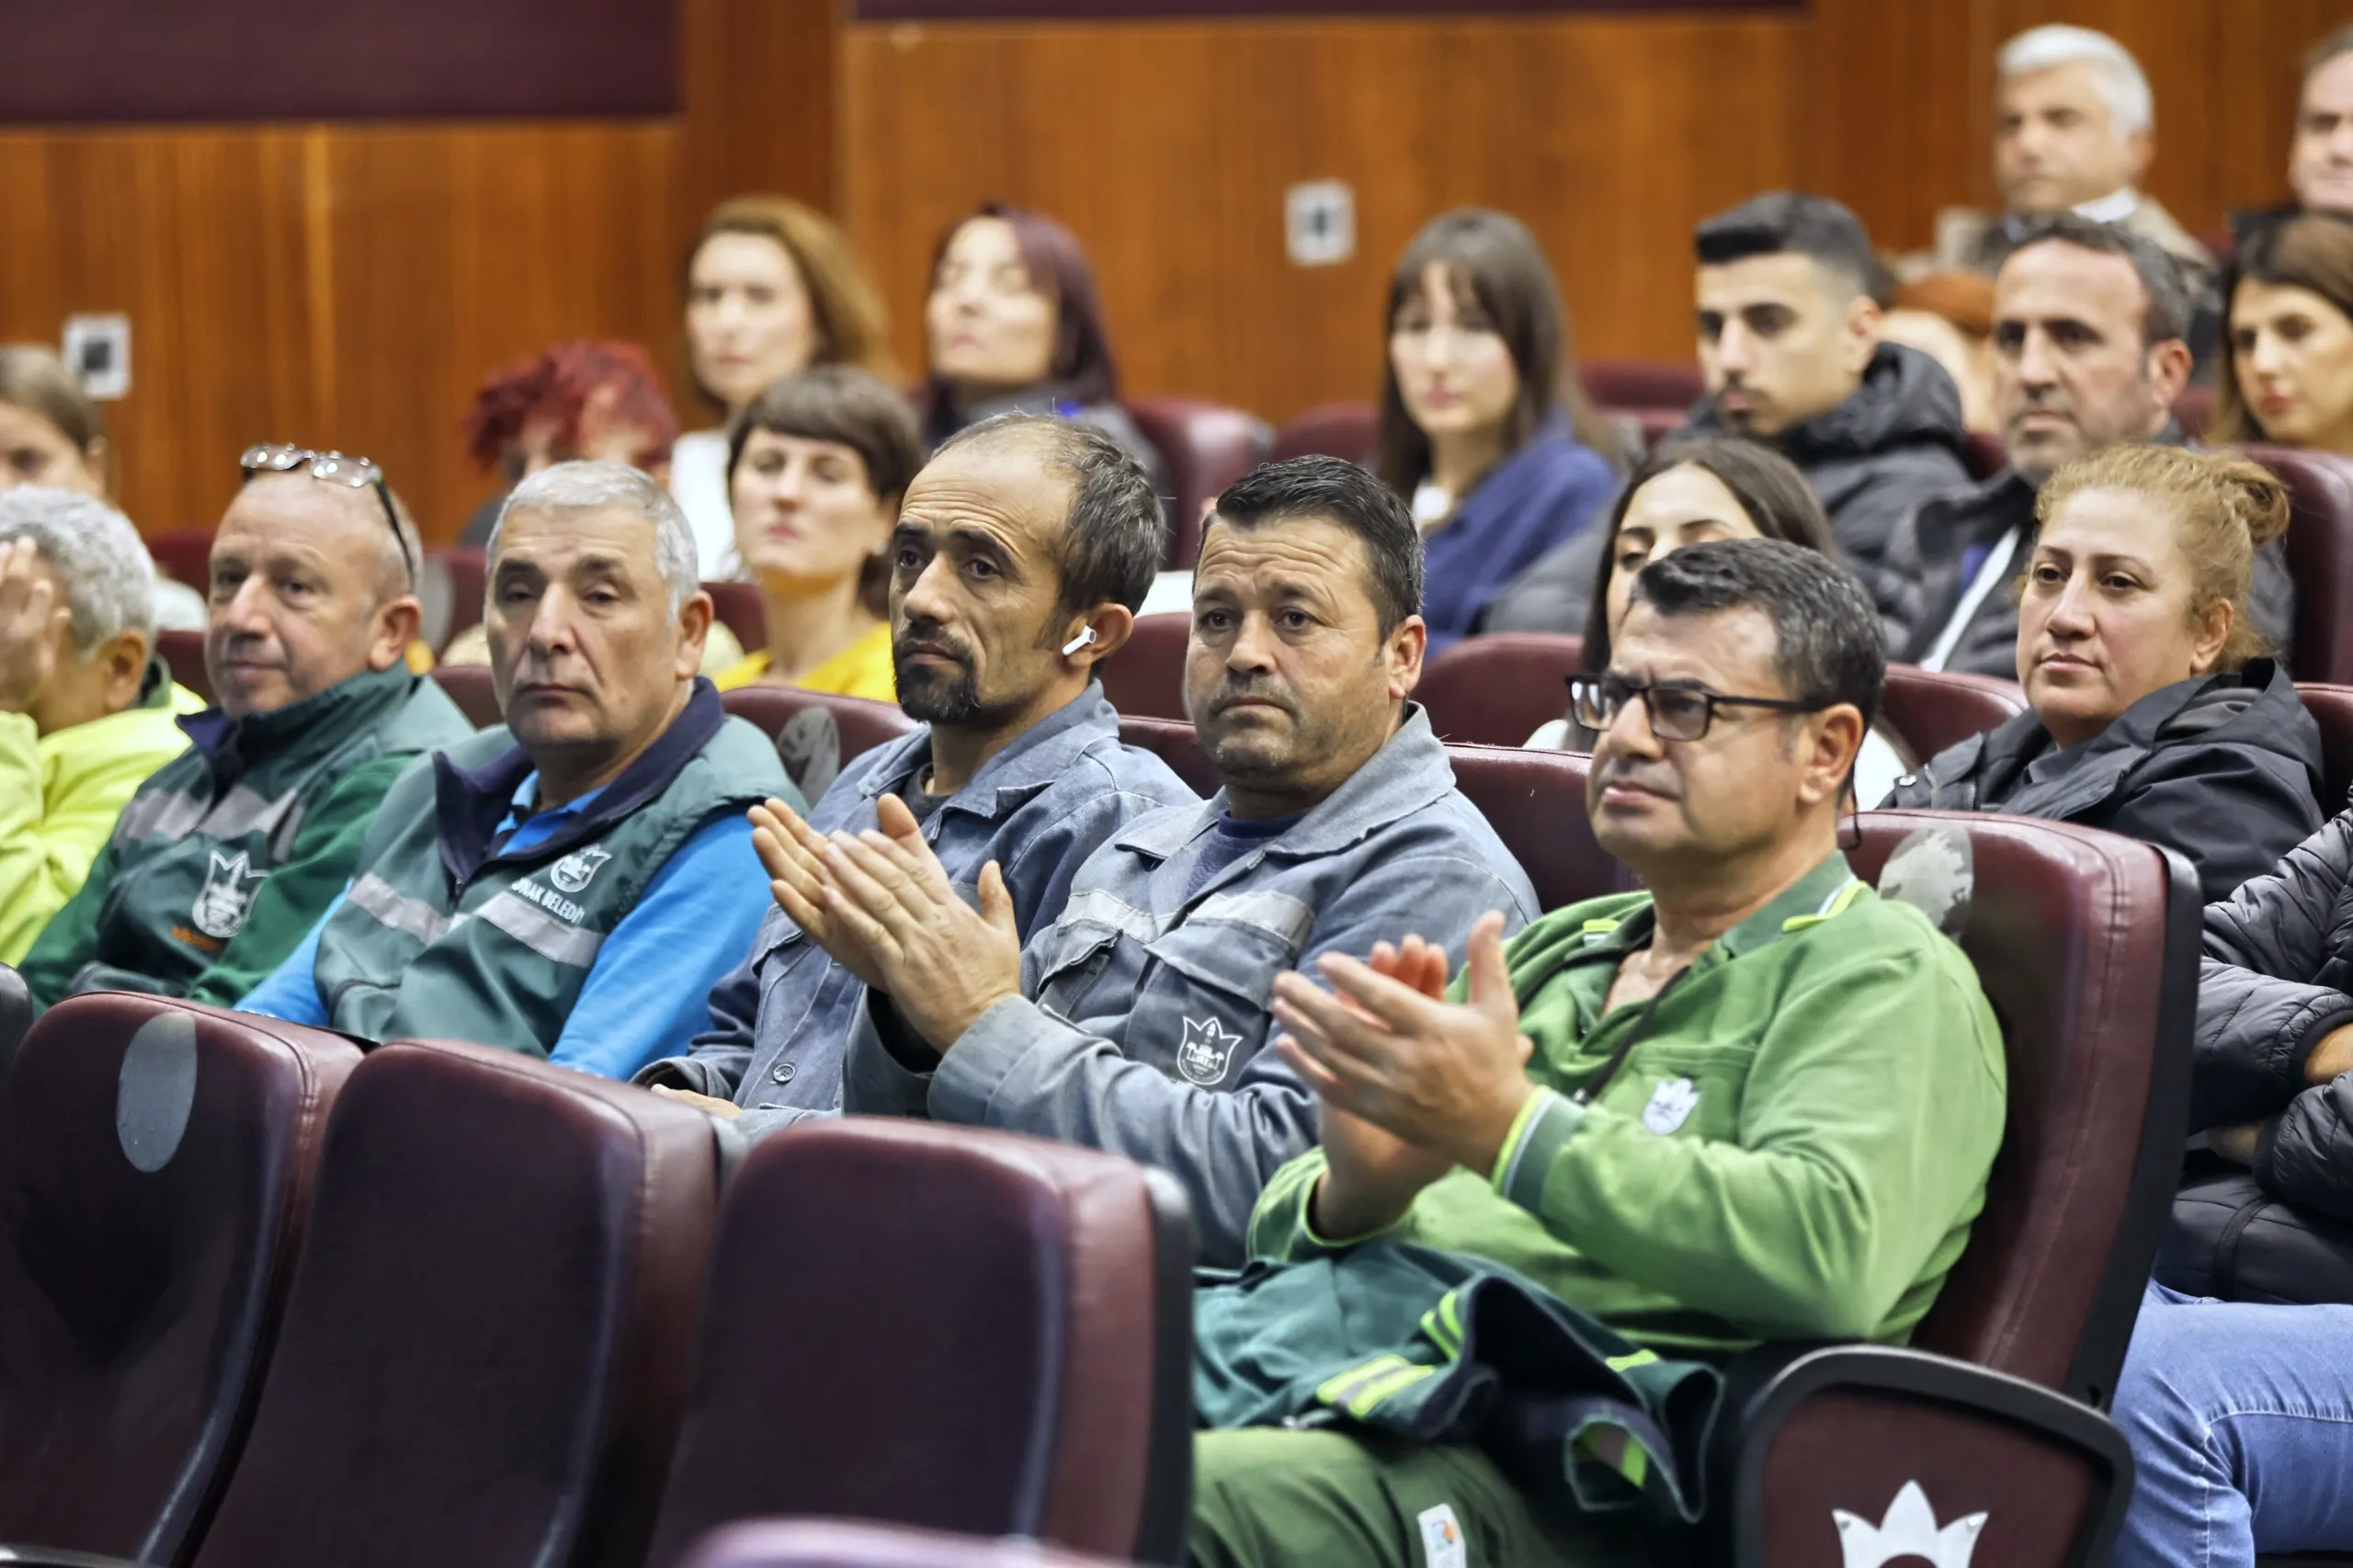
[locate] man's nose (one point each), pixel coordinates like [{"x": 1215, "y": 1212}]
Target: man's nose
[
  {"x": 2037, "y": 365},
  {"x": 927, "y": 598},
  {"x": 243, "y": 613},
  {"x": 554, "y": 625},
  {"x": 1630, "y": 732},
  {"x": 1253, "y": 647},
  {"x": 1733, "y": 348}
]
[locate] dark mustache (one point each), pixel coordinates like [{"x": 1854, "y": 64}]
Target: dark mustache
[
  {"x": 932, "y": 635},
  {"x": 1254, "y": 691},
  {"x": 1659, "y": 781}
]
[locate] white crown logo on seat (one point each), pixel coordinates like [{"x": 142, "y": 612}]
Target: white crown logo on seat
[{"x": 1909, "y": 1530}]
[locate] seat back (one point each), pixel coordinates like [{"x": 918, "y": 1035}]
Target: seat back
[
  {"x": 1178, "y": 744},
  {"x": 2087, "y": 944},
  {"x": 1147, "y": 677},
  {"x": 1345, "y": 430},
  {"x": 183, "y": 653},
  {"x": 1206, "y": 447},
  {"x": 826, "y": 1543},
  {"x": 2320, "y": 558},
  {"x": 2332, "y": 708},
  {"x": 156, "y": 1161},
  {"x": 1642, "y": 383},
  {"x": 486, "y": 1344},
  {"x": 816, "y": 732},
  {"x": 1499, "y": 690},
  {"x": 16, "y": 1017},
  {"x": 472, "y": 689},
  {"x": 738, "y": 607},
  {"x": 1931, "y": 709},
  {"x": 1535, "y": 802},
  {"x": 465, "y": 579},
  {"x": 1982, "y": 454},
  {"x": 185, "y": 555},
  {"x": 947, "y": 1328}
]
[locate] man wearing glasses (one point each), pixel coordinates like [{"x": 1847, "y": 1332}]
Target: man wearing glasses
[
  {"x": 1754, "y": 1101},
  {"x": 228, "y": 855}
]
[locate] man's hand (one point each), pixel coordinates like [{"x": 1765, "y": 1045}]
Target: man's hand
[
  {"x": 31, "y": 617},
  {"x": 943, "y": 963},
  {"x": 794, "y": 853},
  {"x": 2236, "y": 1144},
  {"x": 2332, "y": 1058},
  {"x": 1372, "y": 1176},
  {"x": 1445, "y": 1078},
  {"x": 726, "y": 1110}
]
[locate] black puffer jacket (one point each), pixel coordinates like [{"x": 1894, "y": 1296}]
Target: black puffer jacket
[{"x": 2226, "y": 768}]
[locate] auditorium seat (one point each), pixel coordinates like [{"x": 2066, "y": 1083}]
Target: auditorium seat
[
  {"x": 1206, "y": 447},
  {"x": 1642, "y": 383},
  {"x": 944, "y": 1327},
  {"x": 1498, "y": 690},
  {"x": 488, "y": 1335},
  {"x": 2320, "y": 558},
  {"x": 1331, "y": 429},
  {"x": 463, "y": 581},
  {"x": 828, "y": 1543},
  {"x": 2332, "y": 708},
  {"x": 2194, "y": 409},
  {"x": 1147, "y": 677},
  {"x": 185, "y": 555},
  {"x": 1982, "y": 455},
  {"x": 472, "y": 689},
  {"x": 1178, "y": 744},
  {"x": 183, "y": 655},
  {"x": 1931, "y": 709},
  {"x": 157, "y": 1165},
  {"x": 738, "y": 607},
  {"x": 16, "y": 1017},
  {"x": 1535, "y": 802},
  {"x": 815, "y": 731},
  {"x": 1655, "y": 425}
]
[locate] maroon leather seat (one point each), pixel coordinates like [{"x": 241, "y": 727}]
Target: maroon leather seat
[
  {"x": 2195, "y": 410},
  {"x": 487, "y": 1338},
  {"x": 815, "y": 731},
  {"x": 825, "y": 1543},
  {"x": 1982, "y": 454},
  {"x": 738, "y": 607},
  {"x": 185, "y": 555},
  {"x": 472, "y": 689},
  {"x": 2320, "y": 558},
  {"x": 1535, "y": 802},
  {"x": 1642, "y": 383},
  {"x": 156, "y": 1162},
  {"x": 1345, "y": 430},
  {"x": 1206, "y": 447},
  {"x": 1931, "y": 709},
  {"x": 2332, "y": 708},
  {"x": 1498, "y": 690},
  {"x": 465, "y": 580},
  {"x": 1147, "y": 677},
  {"x": 1178, "y": 744},
  {"x": 947, "y": 1328},
  {"x": 183, "y": 655}
]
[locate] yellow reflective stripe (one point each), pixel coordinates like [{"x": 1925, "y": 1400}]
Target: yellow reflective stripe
[
  {"x": 1627, "y": 1363},
  {"x": 1515, "y": 1135},
  {"x": 1386, "y": 1387},
  {"x": 1340, "y": 1385},
  {"x": 1837, "y": 906},
  {"x": 1616, "y": 1448},
  {"x": 1599, "y": 927},
  {"x": 1443, "y": 1323}
]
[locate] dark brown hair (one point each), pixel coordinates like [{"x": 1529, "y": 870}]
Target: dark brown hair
[
  {"x": 1496, "y": 265},
  {"x": 2314, "y": 252},
  {"x": 35, "y": 379},
  {"x": 1082, "y": 363},
  {"x": 846, "y": 405},
  {"x": 852, "y": 328}
]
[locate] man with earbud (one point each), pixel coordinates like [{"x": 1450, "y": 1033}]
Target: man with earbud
[{"x": 1021, "y": 552}]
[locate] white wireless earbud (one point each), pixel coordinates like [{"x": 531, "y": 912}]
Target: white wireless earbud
[{"x": 1086, "y": 636}]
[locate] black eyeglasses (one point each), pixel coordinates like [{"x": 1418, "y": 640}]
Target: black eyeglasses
[
  {"x": 1679, "y": 710},
  {"x": 359, "y": 473}
]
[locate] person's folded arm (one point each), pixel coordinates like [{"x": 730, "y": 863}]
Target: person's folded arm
[
  {"x": 2305, "y": 1154},
  {"x": 2230, "y": 811},
  {"x": 2260, "y": 1014}
]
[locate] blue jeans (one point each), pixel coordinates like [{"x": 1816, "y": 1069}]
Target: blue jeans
[{"x": 2241, "y": 1421}]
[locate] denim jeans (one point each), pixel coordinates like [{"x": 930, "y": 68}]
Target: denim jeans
[{"x": 2241, "y": 1421}]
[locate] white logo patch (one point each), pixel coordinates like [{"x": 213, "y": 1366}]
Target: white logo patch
[
  {"x": 227, "y": 896},
  {"x": 1207, "y": 1051},
  {"x": 1671, "y": 1106},
  {"x": 573, "y": 872},
  {"x": 1442, "y": 1542},
  {"x": 1909, "y": 1530}
]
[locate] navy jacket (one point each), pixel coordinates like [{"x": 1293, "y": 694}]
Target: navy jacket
[{"x": 1536, "y": 498}]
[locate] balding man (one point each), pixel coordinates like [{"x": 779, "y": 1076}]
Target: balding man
[
  {"x": 229, "y": 854},
  {"x": 572, "y": 883}
]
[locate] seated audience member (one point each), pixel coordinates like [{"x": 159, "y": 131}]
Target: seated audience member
[
  {"x": 2150, "y": 712},
  {"x": 596, "y": 401},
  {"x": 86, "y": 710},
  {"x": 2074, "y": 129},
  {"x": 1688, "y": 491},
  {"x": 1949, "y": 316},
  {"x": 1789, "y": 351},
  {"x": 772, "y": 287},
  {"x": 1015, "y": 326},
  {"x": 572, "y": 883},
  {"x": 232, "y": 850},
  {"x": 52, "y": 433},
  {"x": 1022, "y": 551},
  {"x": 818, "y": 464},
  {"x": 2287, "y": 374},
  {"x": 2320, "y": 156},
  {"x": 1483, "y": 425},
  {"x": 2089, "y": 351},
  {"x": 1137, "y": 1021},
  {"x": 1675, "y": 1122}
]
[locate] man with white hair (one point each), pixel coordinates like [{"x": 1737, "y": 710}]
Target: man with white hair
[
  {"x": 570, "y": 884},
  {"x": 2074, "y": 129},
  {"x": 86, "y": 710}
]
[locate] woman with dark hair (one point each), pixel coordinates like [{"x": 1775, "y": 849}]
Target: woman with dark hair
[
  {"x": 1016, "y": 325},
  {"x": 2287, "y": 373},
  {"x": 1483, "y": 426},
  {"x": 1685, "y": 493}
]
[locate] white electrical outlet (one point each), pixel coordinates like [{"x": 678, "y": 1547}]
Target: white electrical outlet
[
  {"x": 97, "y": 351},
  {"x": 1320, "y": 222}
]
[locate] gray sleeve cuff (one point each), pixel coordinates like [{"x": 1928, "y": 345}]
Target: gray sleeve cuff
[
  {"x": 755, "y": 1125},
  {"x": 986, "y": 1054},
  {"x": 873, "y": 1083}
]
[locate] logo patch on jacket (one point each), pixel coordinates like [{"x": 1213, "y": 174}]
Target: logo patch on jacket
[
  {"x": 227, "y": 897},
  {"x": 1442, "y": 1542},
  {"x": 1671, "y": 1106},
  {"x": 1207, "y": 1051},
  {"x": 573, "y": 871}
]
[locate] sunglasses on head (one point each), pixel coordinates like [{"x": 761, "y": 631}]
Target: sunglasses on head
[{"x": 334, "y": 467}]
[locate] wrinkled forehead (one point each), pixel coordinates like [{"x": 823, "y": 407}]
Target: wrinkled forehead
[
  {"x": 557, "y": 540},
  {"x": 1006, "y": 487},
  {"x": 1732, "y": 651},
  {"x": 2055, "y": 281},
  {"x": 1305, "y": 556},
  {"x": 297, "y": 512}
]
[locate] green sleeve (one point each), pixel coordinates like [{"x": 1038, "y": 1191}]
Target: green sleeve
[
  {"x": 71, "y": 937},
  {"x": 1867, "y": 1122},
  {"x": 298, "y": 892}
]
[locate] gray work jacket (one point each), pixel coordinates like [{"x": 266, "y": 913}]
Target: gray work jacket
[{"x": 1143, "y": 1023}]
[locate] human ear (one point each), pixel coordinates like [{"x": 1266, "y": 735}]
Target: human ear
[
  {"x": 396, "y": 628},
  {"x": 1407, "y": 645},
  {"x": 694, "y": 627},
  {"x": 1837, "y": 738},
  {"x": 2210, "y": 633},
  {"x": 1111, "y": 625}
]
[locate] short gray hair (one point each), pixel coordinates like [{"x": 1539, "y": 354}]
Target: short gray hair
[
  {"x": 2123, "y": 83},
  {"x": 107, "y": 574},
  {"x": 593, "y": 487}
]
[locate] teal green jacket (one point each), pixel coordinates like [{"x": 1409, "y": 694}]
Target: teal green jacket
[{"x": 1793, "y": 1148}]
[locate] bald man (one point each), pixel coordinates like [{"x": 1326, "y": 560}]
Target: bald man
[{"x": 228, "y": 856}]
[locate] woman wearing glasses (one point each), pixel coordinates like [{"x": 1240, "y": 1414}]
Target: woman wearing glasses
[{"x": 2151, "y": 711}]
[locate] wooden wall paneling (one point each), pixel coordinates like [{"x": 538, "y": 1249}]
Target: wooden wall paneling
[{"x": 760, "y": 88}]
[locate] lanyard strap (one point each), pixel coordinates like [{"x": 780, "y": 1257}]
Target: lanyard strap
[{"x": 1634, "y": 1037}]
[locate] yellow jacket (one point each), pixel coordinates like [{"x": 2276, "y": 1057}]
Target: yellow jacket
[{"x": 862, "y": 669}]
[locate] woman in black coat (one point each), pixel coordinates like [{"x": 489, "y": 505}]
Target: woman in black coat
[{"x": 2150, "y": 712}]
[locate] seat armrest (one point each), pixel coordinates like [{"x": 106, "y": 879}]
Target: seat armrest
[
  {"x": 1932, "y": 1457},
  {"x": 51, "y": 1557}
]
